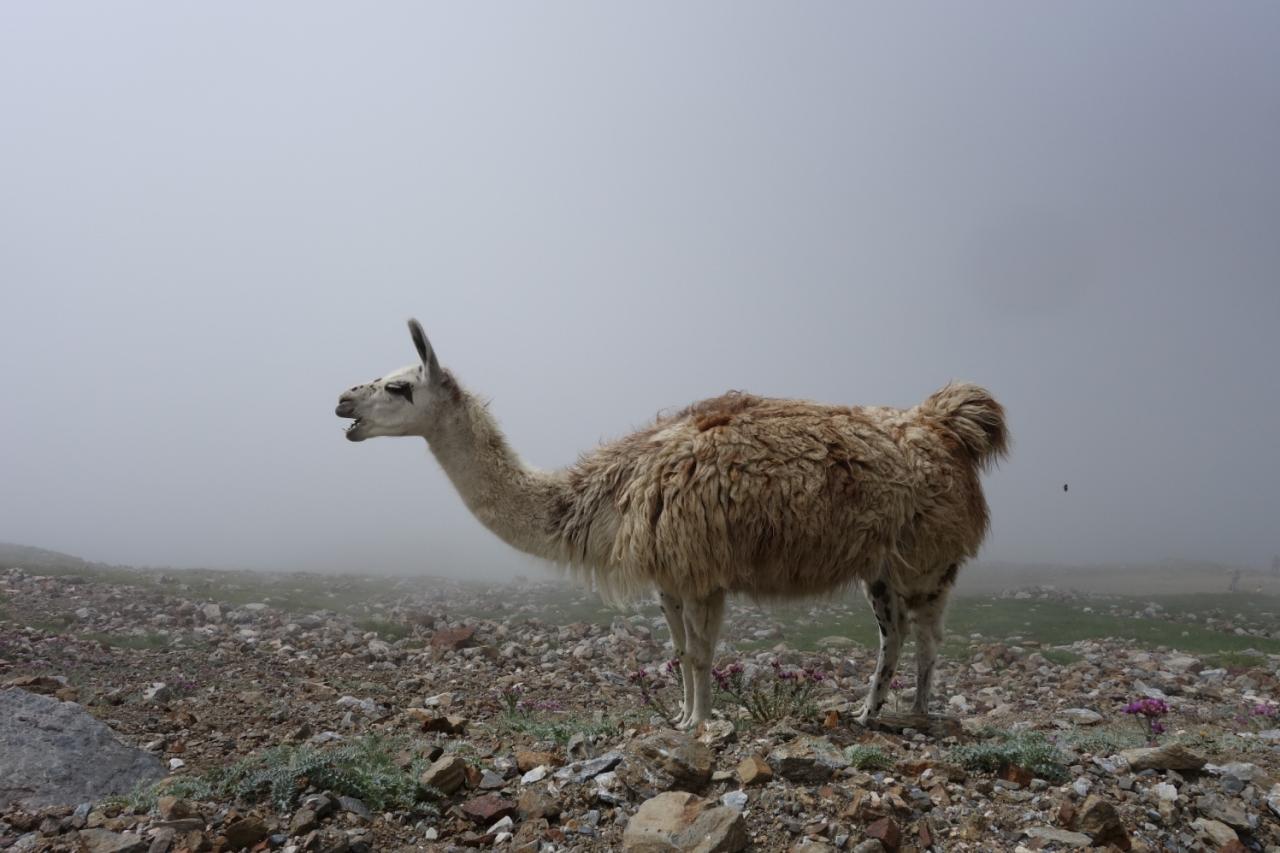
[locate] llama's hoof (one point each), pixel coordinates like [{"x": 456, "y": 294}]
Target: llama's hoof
[{"x": 864, "y": 717}]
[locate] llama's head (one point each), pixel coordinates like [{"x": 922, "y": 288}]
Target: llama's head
[{"x": 404, "y": 402}]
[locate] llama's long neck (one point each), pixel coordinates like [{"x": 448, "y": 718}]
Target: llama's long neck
[{"x": 510, "y": 498}]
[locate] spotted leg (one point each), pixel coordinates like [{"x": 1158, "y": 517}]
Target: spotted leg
[
  {"x": 890, "y": 618},
  {"x": 673, "y": 609},
  {"x": 703, "y": 619},
  {"x": 928, "y": 619}
]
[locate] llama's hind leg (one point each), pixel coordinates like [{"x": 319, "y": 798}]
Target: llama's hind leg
[
  {"x": 890, "y": 613},
  {"x": 703, "y": 618},
  {"x": 928, "y": 619},
  {"x": 673, "y": 609}
]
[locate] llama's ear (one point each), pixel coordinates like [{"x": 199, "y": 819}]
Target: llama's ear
[{"x": 425, "y": 352}]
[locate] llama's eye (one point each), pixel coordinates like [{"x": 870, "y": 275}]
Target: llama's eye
[{"x": 401, "y": 389}]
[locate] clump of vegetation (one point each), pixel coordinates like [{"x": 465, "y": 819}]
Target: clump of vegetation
[
  {"x": 1031, "y": 751},
  {"x": 546, "y": 720},
  {"x": 1150, "y": 712},
  {"x": 653, "y": 683},
  {"x": 384, "y": 628},
  {"x": 867, "y": 757},
  {"x": 365, "y": 768},
  {"x": 785, "y": 693},
  {"x": 1102, "y": 740}
]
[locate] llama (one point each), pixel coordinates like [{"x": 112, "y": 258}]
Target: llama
[{"x": 769, "y": 498}]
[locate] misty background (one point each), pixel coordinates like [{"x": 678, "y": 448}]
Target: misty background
[{"x": 216, "y": 217}]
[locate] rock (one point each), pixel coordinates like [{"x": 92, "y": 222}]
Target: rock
[
  {"x": 159, "y": 692},
  {"x": 1273, "y": 799},
  {"x": 1218, "y": 833},
  {"x": 106, "y": 841},
  {"x": 446, "y": 774},
  {"x": 1171, "y": 756},
  {"x": 488, "y": 808},
  {"x": 717, "y": 733},
  {"x": 581, "y": 771},
  {"x": 680, "y": 821},
  {"x": 173, "y": 808},
  {"x": 245, "y": 832},
  {"x": 453, "y": 639},
  {"x": 673, "y": 761},
  {"x": 736, "y": 800},
  {"x": 1081, "y": 716},
  {"x": 753, "y": 770},
  {"x": 535, "y": 803},
  {"x": 871, "y": 845},
  {"x": 451, "y": 724},
  {"x": 211, "y": 613},
  {"x": 304, "y": 820},
  {"x": 1100, "y": 820},
  {"x": 527, "y": 759},
  {"x": 45, "y": 685},
  {"x": 806, "y": 759},
  {"x": 55, "y": 753},
  {"x": 1216, "y": 807},
  {"x": 886, "y": 832},
  {"x": 1058, "y": 836}
]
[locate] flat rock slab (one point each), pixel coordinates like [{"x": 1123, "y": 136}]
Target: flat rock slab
[
  {"x": 56, "y": 753},
  {"x": 934, "y": 725},
  {"x": 1168, "y": 757}
]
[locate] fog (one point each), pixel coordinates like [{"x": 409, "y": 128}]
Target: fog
[{"x": 216, "y": 217}]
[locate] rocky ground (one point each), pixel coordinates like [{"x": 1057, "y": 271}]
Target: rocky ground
[{"x": 514, "y": 716}]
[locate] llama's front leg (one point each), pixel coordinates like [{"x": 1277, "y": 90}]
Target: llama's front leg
[
  {"x": 703, "y": 619},
  {"x": 673, "y": 609},
  {"x": 928, "y": 637},
  {"x": 889, "y": 610}
]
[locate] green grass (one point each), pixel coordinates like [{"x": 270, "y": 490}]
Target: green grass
[
  {"x": 365, "y": 768},
  {"x": 1031, "y": 751},
  {"x": 867, "y": 757},
  {"x": 1234, "y": 660},
  {"x": 1049, "y": 623},
  {"x": 384, "y": 628},
  {"x": 1062, "y": 657},
  {"x": 556, "y": 728}
]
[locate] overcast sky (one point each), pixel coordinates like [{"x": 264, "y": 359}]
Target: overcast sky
[{"x": 215, "y": 217}]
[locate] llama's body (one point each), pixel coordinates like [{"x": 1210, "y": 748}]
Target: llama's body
[
  {"x": 736, "y": 494},
  {"x": 777, "y": 499}
]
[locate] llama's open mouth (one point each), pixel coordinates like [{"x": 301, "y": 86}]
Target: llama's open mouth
[{"x": 350, "y": 431}]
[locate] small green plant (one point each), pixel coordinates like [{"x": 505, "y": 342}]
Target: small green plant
[
  {"x": 787, "y": 693},
  {"x": 867, "y": 757},
  {"x": 1030, "y": 750},
  {"x": 1103, "y": 741},
  {"x": 546, "y": 719},
  {"x": 364, "y": 768},
  {"x": 384, "y": 628},
  {"x": 653, "y": 684}
]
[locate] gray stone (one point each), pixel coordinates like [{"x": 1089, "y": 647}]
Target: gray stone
[
  {"x": 680, "y": 822},
  {"x": 807, "y": 759},
  {"x": 1219, "y": 833},
  {"x": 106, "y": 841},
  {"x": 1059, "y": 836},
  {"x": 1081, "y": 716},
  {"x": 56, "y": 753}
]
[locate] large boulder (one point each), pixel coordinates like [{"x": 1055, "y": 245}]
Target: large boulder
[
  {"x": 56, "y": 753},
  {"x": 680, "y": 822}
]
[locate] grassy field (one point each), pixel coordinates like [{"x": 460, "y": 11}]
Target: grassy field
[{"x": 973, "y": 616}]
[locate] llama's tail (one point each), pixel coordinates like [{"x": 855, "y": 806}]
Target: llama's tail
[{"x": 974, "y": 417}]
